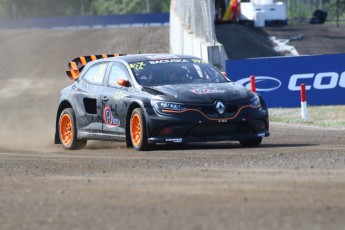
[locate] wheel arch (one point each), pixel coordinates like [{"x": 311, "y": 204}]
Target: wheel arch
[
  {"x": 63, "y": 105},
  {"x": 133, "y": 106}
]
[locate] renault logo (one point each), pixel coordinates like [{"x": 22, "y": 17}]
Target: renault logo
[{"x": 220, "y": 107}]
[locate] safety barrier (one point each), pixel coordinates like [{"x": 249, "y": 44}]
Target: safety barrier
[
  {"x": 279, "y": 79},
  {"x": 183, "y": 40}
]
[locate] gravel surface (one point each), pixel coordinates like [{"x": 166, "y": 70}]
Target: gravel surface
[{"x": 295, "y": 180}]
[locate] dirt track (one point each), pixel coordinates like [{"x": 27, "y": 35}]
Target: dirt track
[{"x": 296, "y": 180}]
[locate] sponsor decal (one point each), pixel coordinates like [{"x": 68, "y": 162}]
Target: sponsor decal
[
  {"x": 326, "y": 80},
  {"x": 175, "y": 140},
  {"x": 108, "y": 118},
  {"x": 168, "y": 61},
  {"x": 261, "y": 135},
  {"x": 207, "y": 91},
  {"x": 137, "y": 66},
  {"x": 118, "y": 95},
  {"x": 160, "y": 57},
  {"x": 263, "y": 83}
]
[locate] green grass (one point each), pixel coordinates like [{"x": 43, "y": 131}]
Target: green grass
[{"x": 324, "y": 116}]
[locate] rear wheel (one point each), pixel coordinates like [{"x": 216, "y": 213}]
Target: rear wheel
[
  {"x": 68, "y": 131},
  {"x": 138, "y": 130},
  {"x": 251, "y": 142}
]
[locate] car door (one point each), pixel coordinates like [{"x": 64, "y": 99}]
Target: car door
[
  {"x": 115, "y": 100},
  {"x": 90, "y": 96}
]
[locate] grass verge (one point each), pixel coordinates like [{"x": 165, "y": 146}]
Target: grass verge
[{"x": 323, "y": 116}]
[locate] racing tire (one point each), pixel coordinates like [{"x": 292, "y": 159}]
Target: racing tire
[
  {"x": 138, "y": 130},
  {"x": 68, "y": 131},
  {"x": 251, "y": 142}
]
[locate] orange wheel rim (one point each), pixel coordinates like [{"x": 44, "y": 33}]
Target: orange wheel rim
[
  {"x": 136, "y": 131},
  {"x": 66, "y": 129}
]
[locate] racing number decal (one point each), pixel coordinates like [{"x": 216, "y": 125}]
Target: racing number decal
[
  {"x": 118, "y": 95},
  {"x": 198, "y": 61},
  {"x": 138, "y": 65}
]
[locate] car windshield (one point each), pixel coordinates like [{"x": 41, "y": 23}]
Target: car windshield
[{"x": 175, "y": 71}]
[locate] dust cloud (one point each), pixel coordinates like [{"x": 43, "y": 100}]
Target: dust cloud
[{"x": 33, "y": 73}]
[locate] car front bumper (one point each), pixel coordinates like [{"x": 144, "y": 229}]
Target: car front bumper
[{"x": 195, "y": 126}]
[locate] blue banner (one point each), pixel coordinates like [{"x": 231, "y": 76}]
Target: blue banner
[
  {"x": 124, "y": 20},
  {"x": 278, "y": 79}
]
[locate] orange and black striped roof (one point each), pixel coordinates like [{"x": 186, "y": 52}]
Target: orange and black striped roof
[
  {"x": 76, "y": 64},
  {"x": 83, "y": 60}
]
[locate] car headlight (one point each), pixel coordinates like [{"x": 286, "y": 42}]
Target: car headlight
[
  {"x": 254, "y": 101},
  {"x": 160, "y": 106}
]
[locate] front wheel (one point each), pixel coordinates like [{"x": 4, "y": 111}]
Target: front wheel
[
  {"x": 138, "y": 130},
  {"x": 251, "y": 142},
  {"x": 68, "y": 131}
]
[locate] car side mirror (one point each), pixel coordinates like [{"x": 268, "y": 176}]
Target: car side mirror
[
  {"x": 123, "y": 82},
  {"x": 225, "y": 75}
]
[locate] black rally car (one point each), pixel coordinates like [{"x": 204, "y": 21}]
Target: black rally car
[{"x": 146, "y": 99}]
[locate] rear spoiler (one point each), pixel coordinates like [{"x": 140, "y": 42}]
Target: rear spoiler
[{"x": 75, "y": 66}]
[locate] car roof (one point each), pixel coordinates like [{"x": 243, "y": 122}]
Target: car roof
[{"x": 151, "y": 57}]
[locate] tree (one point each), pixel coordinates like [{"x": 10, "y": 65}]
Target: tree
[
  {"x": 17, "y": 9},
  {"x": 103, "y": 7}
]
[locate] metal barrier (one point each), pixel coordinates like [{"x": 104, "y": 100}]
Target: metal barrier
[
  {"x": 198, "y": 16},
  {"x": 192, "y": 31}
]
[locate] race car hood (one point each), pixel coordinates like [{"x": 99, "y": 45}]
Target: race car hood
[{"x": 204, "y": 93}]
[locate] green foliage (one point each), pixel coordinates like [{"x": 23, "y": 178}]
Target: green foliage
[
  {"x": 299, "y": 10},
  {"x": 303, "y": 9},
  {"x": 160, "y": 6},
  {"x": 331, "y": 7},
  {"x": 40, "y": 8},
  {"x": 50, "y": 8},
  {"x": 5, "y": 9},
  {"x": 103, "y": 7}
]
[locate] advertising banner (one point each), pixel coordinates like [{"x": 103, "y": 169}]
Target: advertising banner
[
  {"x": 278, "y": 79},
  {"x": 120, "y": 20}
]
